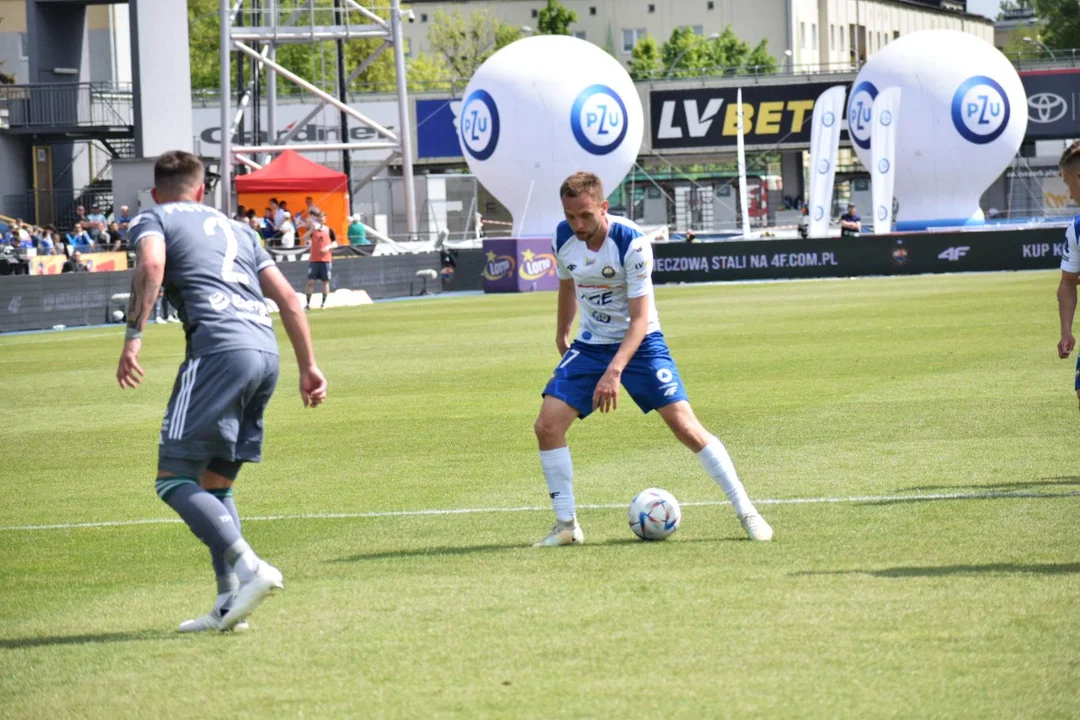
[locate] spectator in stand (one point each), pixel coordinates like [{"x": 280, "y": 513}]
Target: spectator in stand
[
  {"x": 97, "y": 226},
  {"x": 241, "y": 214},
  {"x": 123, "y": 220},
  {"x": 279, "y": 212},
  {"x": 21, "y": 235},
  {"x": 850, "y": 223},
  {"x": 268, "y": 229},
  {"x": 287, "y": 231},
  {"x": 48, "y": 243},
  {"x": 80, "y": 215},
  {"x": 74, "y": 263},
  {"x": 116, "y": 238},
  {"x": 306, "y": 217},
  {"x": 78, "y": 238},
  {"x": 357, "y": 231}
]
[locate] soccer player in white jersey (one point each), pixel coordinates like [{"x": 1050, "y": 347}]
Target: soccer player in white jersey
[
  {"x": 1070, "y": 260},
  {"x": 605, "y": 266}
]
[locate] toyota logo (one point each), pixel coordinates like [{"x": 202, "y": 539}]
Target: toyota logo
[{"x": 1045, "y": 108}]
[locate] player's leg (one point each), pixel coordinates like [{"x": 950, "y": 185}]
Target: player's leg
[
  {"x": 652, "y": 379},
  {"x": 310, "y": 286},
  {"x": 327, "y": 269},
  {"x": 201, "y": 423},
  {"x": 568, "y": 396},
  {"x": 716, "y": 461}
]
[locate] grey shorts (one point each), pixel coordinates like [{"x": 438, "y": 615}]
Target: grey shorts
[{"x": 216, "y": 410}]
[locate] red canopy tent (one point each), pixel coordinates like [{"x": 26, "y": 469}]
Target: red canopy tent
[{"x": 292, "y": 177}]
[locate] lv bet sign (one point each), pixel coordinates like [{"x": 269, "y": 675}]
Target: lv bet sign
[{"x": 708, "y": 117}]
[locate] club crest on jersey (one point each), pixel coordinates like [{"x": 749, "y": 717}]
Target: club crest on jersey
[
  {"x": 608, "y": 272},
  {"x": 498, "y": 266},
  {"x": 535, "y": 266}
]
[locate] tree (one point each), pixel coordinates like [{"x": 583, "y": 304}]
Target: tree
[
  {"x": 428, "y": 72},
  {"x": 1059, "y": 22},
  {"x": 555, "y": 19},
  {"x": 645, "y": 60},
  {"x": 682, "y": 53},
  {"x": 465, "y": 43},
  {"x": 687, "y": 54}
]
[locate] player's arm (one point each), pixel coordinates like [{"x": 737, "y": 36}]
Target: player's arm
[
  {"x": 565, "y": 318},
  {"x": 1066, "y": 297},
  {"x": 277, "y": 288},
  {"x": 145, "y": 285}
]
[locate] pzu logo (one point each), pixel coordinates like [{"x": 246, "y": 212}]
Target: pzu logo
[
  {"x": 861, "y": 113},
  {"x": 980, "y": 110},
  {"x": 598, "y": 119},
  {"x": 479, "y": 125}
]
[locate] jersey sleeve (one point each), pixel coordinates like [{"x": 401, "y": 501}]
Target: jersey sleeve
[
  {"x": 143, "y": 225},
  {"x": 638, "y": 265},
  {"x": 1070, "y": 258},
  {"x": 560, "y": 266}
]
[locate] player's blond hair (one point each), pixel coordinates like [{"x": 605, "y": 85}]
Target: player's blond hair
[
  {"x": 1071, "y": 157},
  {"x": 582, "y": 183},
  {"x": 178, "y": 172}
]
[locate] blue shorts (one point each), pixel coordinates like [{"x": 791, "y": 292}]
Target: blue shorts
[
  {"x": 651, "y": 378},
  {"x": 1078, "y": 372},
  {"x": 319, "y": 271},
  {"x": 216, "y": 409}
]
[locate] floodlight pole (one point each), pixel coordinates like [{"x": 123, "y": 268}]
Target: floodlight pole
[
  {"x": 226, "y": 101},
  {"x": 404, "y": 132},
  {"x": 343, "y": 95}
]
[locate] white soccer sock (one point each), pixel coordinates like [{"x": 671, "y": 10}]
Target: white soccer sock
[
  {"x": 716, "y": 461},
  {"x": 559, "y": 474}
]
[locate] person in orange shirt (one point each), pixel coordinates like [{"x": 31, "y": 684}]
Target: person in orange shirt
[{"x": 321, "y": 243}]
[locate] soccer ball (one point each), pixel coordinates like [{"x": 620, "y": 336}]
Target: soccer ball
[
  {"x": 654, "y": 514},
  {"x": 118, "y": 316}
]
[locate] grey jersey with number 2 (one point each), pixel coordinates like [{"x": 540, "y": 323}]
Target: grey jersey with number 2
[{"x": 212, "y": 269}]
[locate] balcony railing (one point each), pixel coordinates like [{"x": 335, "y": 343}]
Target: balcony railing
[{"x": 68, "y": 105}]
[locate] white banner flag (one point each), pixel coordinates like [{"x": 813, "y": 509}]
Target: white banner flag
[
  {"x": 824, "y": 143},
  {"x": 742, "y": 170},
  {"x": 886, "y": 112}
]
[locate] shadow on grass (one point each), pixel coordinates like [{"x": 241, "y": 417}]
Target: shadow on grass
[
  {"x": 945, "y": 570},
  {"x": 975, "y": 494},
  {"x": 479, "y": 549},
  {"x": 47, "y": 641},
  {"x": 1063, "y": 481}
]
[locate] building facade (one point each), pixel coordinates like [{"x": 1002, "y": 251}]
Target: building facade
[{"x": 810, "y": 34}]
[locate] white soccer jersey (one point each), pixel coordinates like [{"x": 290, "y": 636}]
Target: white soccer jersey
[
  {"x": 1070, "y": 259},
  {"x": 605, "y": 280}
]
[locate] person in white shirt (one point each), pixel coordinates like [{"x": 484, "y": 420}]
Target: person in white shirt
[
  {"x": 1070, "y": 259},
  {"x": 287, "y": 230},
  {"x": 605, "y": 267}
]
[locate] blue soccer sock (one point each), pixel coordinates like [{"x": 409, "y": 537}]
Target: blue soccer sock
[
  {"x": 227, "y": 581},
  {"x": 210, "y": 521}
]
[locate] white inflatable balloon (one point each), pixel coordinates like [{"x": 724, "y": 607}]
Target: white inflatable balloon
[
  {"x": 540, "y": 110},
  {"x": 963, "y": 116}
]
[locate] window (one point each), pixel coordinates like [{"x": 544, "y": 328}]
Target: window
[
  {"x": 813, "y": 37},
  {"x": 630, "y": 38},
  {"x": 895, "y": 34},
  {"x": 832, "y": 37},
  {"x": 802, "y": 36},
  {"x": 24, "y": 46},
  {"x": 535, "y": 12},
  {"x": 592, "y": 10},
  {"x": 423, "y": 17},
  {"x": 652, "y": 8},
  {"x": 698, "y": 29},
  {"x": 579, "y": 34},
  {"x": 710, "y": 5}
]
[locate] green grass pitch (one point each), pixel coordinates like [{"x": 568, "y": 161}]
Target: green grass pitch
[{"x": 882, "y": 388}]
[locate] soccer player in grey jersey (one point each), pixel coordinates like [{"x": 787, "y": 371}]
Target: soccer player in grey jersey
[{"x": 218, "y": 276}]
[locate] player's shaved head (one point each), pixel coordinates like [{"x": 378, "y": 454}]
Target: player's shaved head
[
  {"x": 178, "y": 175},
  {"x": 582, "y": 183}
]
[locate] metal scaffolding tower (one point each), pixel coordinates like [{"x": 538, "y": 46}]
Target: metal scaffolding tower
[{"x": 271, "y": 26}]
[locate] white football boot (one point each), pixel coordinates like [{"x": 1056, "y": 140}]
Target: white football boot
[
  {"x": 565, "y": 532},
  {"x": 756, "y": 527},
  {"x": 267, "y": 579},
  {"x": 209, "y": 621}
]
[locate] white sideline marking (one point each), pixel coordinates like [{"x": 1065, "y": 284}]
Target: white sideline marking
[{"x": 474, "y": 511}]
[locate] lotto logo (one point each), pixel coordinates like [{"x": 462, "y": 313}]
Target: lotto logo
[
  {"x": 598, "y": 119},
  {"x": 980, "y": 110}
]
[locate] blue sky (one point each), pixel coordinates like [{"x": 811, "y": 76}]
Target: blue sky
[{"x": 989, "y": 8}]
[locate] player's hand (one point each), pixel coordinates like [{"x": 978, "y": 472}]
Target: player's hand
[
  {"x": 312, "y": 386},
  {"x": 1066, "y": 345},
  {"x": 606, "y": 397},
  {"x": 562, "y": 345},
  {"x": 129, "y": 374}
]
